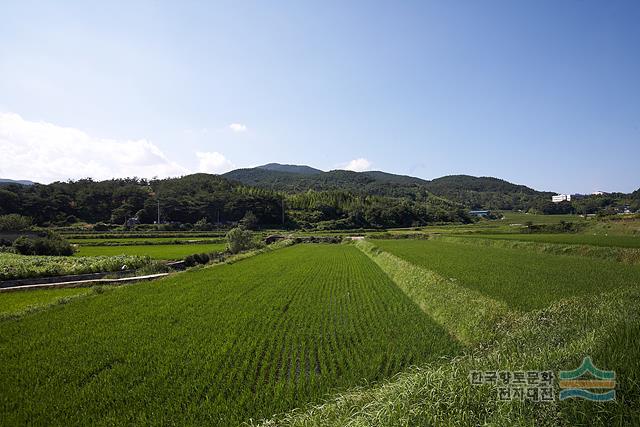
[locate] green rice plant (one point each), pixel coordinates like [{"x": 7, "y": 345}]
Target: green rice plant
[
  {"x": 521, "y": 279},
  {"x": 554, "y": 338},
  {"x": 219, "y": 345},
  {"x": 466, "y": 313},
  {"x": 618, "y": 254},
  {"x": 19, "y": 302}
]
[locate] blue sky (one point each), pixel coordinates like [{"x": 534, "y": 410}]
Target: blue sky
[{"x": 543, "y": 93}]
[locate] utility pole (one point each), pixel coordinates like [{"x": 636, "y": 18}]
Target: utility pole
[
  {"x": 283, "y": 211},
  {"x": 158, "y": 197}
]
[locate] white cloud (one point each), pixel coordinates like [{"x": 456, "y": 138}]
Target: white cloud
[
  {"x": 238, "y": 127},
  {"x": 358, "y": 165},
  {"x": 214, "y": 163},
  {"x": 45, "y": 152}
]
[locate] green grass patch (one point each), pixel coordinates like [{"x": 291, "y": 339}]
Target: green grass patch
[
  {"x": 14, "y": 266},
  {"x": 169, "y": 252},
  {"x": 521, "y": 279},
  {"x": 217, "y": 345}
]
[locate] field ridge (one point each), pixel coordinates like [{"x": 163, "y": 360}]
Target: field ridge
[{"x": 468, "y": 315}]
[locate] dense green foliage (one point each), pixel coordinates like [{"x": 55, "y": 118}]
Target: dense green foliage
[
  {"x": 239, "y": 239},
  {"x": 521, "y": 279},
  {"x": 14, "y": 266},
  {"x": 325, "y": 200},
  {"x": 49, "y": 244},
  {"x": 209, "y": 201},
  {"x": 216, "y": 346},
  {"x": 14, "y": 222},
  {"x": 155, "y": 251}
]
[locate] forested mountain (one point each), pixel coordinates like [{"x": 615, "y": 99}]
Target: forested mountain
[
  {"x": 290, "y": 168},
  {"x": 472, "y": 192},
  {"x": 364, "y": 183},
  {"x": 486, "y": 192},
  {"x": 4, "y": 181}
]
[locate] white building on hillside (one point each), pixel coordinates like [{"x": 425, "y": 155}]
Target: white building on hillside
[{"x": 561, "y": 198}]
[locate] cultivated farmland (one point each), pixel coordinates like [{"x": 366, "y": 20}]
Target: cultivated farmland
[
  {"x": 521, "y": 279},
  {"x": 218, "y": 345}
]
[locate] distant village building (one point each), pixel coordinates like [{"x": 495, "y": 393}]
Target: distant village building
[
  {"x": 561, "y": 198},
  {"x": 479, "y": 213},
  {"x": 598, "y": 193},
  {"x": 130, "y": 222}
]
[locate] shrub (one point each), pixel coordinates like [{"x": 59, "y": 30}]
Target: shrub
[
  {"x": 203, "y": 225},
  {"x": 101, "y": 226},
  {"x": 51, "y": 244},
  {"x": 239, "y": 239},
  {"x": 14, "y": 222},
  {"x": 196, "y": 259},
  {"x": 249, "y": 221}
]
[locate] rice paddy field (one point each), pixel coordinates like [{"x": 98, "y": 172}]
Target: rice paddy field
[
  {"x": 14, "y": 303},
  {"x": 154, "y": 251},
  {"x": 216, "y": 346},
  {"x": 522, "y": 280},
  {"x": 374, "y": 332}
]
